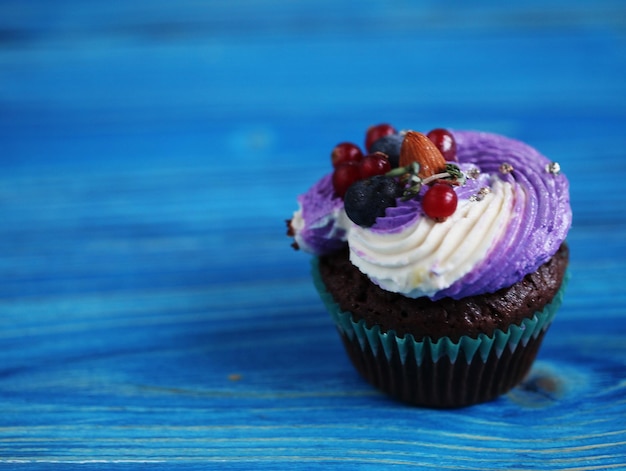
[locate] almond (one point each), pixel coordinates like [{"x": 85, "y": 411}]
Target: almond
[{"x": 416, "y": 147}]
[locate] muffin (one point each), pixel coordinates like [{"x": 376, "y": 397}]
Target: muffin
[{"x": 441, "y": 257}]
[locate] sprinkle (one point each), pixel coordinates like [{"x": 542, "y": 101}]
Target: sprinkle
[
  {"x": 554, "y": 168},
  {"x": 484, "y": 191},
  {"x": 473, "y": 173},
  {"x": 505, "y": 168}
]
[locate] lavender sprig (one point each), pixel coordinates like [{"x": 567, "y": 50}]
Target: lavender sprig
[{"x": 409, "y": 173}]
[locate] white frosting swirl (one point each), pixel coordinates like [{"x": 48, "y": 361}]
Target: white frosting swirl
[{"x": 428, "y": 256}]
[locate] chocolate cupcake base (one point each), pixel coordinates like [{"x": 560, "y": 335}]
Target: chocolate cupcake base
[{"x": 442, "y": 371}]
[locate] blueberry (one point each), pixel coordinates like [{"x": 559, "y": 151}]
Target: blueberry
[
  {"x": 389, "y": 145},
  {"x": 368, "y": 199}
]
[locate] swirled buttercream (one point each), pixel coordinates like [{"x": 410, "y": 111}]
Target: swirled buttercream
[
  {"x": 428, "y": 256},
  {"x": 510, "y": 220},
  {"x": 320, "y": 224}
]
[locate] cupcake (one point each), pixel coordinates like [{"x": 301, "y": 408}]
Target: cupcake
[{"x": 441, "y": 258}]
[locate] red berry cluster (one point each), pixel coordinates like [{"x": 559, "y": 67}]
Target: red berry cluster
[
  {"x": 347, "y": 173},
  {"x": 352, "y": 165}
]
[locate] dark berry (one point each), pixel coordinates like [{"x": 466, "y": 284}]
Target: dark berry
[
  {"x": 444, "y": 140},
  {"x": 439, "y": 201},
  {"x": 374, "y": 164},
  {"x": 376, "y": 132},
  {"x": 345, "y": 152},
  {"x": 344, "y": 176},
  {"x": 389, "y": 145},
  {"x": 368, "y": 199}
]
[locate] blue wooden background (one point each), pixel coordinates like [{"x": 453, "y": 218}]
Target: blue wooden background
[{"x": 152, "y": 313}]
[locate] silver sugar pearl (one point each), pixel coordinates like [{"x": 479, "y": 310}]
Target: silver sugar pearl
[
  {"x": 554, "y": 168},
  {"x": 472, "y": 173},
  {"x": 484, "y": 191},
  {"x": 505, "y": 168}
]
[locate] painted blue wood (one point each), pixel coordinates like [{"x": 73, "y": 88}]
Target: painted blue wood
[{"x": 152, "y": 314}]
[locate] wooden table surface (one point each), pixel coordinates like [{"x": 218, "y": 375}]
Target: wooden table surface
[{"x": 152, "y": 313}]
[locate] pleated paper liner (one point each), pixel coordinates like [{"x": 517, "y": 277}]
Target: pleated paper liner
[{"x": 441, "y": 373}]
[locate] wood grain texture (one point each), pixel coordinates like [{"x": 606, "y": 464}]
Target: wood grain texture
[{"x": 152, "y": 314}]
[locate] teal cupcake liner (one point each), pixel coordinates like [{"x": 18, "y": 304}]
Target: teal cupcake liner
[{"x": 389, "y": 349}]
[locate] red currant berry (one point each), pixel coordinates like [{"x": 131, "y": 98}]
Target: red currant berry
[
  {"x": 345, "y": 152},
  {"x": 344, "y": 176},
  {"x": 374, "y": 164},
  {"x": 376, "y": 132},
  {"x": 444, "y": 140},
  {"x": 439, "y": 201}
]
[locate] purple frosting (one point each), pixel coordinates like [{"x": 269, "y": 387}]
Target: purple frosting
[
  {"x": 540, "y": 223},
  {"x": 322, "y": 235}
]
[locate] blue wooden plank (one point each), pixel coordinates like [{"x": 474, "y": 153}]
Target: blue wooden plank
[{"x": 152, "y": 314}]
